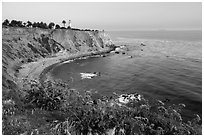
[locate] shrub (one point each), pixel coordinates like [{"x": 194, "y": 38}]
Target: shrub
[
  {"x": 48, "y": 96},
  {"x": 89, "y": 116}
]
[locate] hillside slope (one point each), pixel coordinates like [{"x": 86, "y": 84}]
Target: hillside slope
[{"x": 24, "y": 45}]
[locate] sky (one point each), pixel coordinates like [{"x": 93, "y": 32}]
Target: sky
[{"x": 109, "y": 15}]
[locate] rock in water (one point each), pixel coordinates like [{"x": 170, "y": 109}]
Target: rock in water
[{"x": 142, "y": 44}]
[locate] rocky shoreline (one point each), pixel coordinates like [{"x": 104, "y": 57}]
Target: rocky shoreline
[
  {"x": 38, "y": 70},
  {"x": 45, "y": 72}
]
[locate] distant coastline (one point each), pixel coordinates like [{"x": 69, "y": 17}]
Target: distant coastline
[{"x": 179, "y": 35}]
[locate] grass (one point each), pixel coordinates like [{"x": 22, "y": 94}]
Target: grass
[{"x": 55, "y": 109}]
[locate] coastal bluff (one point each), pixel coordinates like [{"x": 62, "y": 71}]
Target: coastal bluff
[{"x": 29, "y": 50}]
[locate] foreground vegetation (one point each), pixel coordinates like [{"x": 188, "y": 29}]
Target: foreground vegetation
[{"x": 54, "y": 108}]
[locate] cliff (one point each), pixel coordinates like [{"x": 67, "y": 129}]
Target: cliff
[{"x": 22, "y": 46}]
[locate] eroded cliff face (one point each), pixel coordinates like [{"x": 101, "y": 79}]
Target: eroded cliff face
[{"x": 24, "y": 45}]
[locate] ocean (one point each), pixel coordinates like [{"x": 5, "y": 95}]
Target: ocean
[
  {"x": 185, "y": 35},
  {"x": 169, "y": 66}
]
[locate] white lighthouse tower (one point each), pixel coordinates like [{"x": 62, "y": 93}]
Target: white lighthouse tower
[{"x": 70, "y": 25}]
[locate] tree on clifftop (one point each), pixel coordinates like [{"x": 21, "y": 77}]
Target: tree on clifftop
[
  {"x": 64, "y": 22},
  {"x": 6, "y": 22},
  {"x": 43, "y": 25},
  {"x": 57, "y": 26},
  {"x": 51, "y": 25},
  {"x": 34, "y": 25},
  {"x": 15, "y": 23},
  {"x": 29, "y": 23}
]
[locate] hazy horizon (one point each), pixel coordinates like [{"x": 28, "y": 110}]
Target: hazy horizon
[{"x": 110, "y": 15}]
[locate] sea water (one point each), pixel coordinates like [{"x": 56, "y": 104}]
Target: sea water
[{"x": 169, "y": 66}]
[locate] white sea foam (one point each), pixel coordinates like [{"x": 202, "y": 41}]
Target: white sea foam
[
  {"x": 126, "y": 98},
  {"x": 87, "y": 75},
  {"x": 68, "y": 61}
]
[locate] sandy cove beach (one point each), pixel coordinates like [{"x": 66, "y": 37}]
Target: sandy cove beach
[{"x": 34, "y": 70}]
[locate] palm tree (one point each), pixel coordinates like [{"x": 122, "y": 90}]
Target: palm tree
[{"x": 64, "y": 22}]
